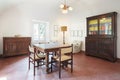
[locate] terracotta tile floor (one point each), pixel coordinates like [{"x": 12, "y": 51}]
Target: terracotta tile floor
[{"x": 85, "y": 68}]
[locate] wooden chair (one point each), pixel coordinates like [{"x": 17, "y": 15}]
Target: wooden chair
[
  {"x": 35, "y": 57},
  {"x": 63, "y": 58}
]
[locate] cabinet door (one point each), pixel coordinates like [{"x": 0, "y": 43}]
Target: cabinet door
[
  {"x": 22, "y": 45},
  {"x": 107, "y": 49},
  {"x": 92, "y": 26},
  {"x": 10, "y": 47},
  {"x": 105, "y": 26},
  {"x": 91, "y": 46}
]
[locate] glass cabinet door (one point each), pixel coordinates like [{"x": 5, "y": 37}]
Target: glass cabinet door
[
  {"x": 93, "y": 27},
  {"x": 105, "y": 26}
]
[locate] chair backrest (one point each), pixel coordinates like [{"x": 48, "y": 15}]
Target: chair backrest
[
  {"x": 66, "y": 50},
  {"x": 32, "y": 52},
  {"x": 31, "y": 49}
]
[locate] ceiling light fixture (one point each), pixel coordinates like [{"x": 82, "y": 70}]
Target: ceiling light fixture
[{"x": 65, "y": 8}]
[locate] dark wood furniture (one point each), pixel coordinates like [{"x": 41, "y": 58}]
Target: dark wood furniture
[
  {"x": 35, "y": 57},
  {"x": 15, "y": 46},
  {"x": 63, "y": 58},
  {"x": 102, "y": 36},
  {"x": 48, "y": 48}
]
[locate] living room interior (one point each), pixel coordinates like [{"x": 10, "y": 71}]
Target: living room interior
[{"x": 18, "y": 18}]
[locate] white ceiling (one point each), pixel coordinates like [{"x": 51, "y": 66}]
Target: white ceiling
[
  {"x": 4, "y": 4},
  {"x": 51, "y": 7}
]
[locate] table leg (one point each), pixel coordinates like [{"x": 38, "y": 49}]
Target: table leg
[{"x": 47, "y": 62}]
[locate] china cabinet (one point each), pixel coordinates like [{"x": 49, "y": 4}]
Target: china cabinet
[{"x": 102, "y": 36}]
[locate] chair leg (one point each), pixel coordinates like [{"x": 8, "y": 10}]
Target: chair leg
[
  {"x": 37, "y": 63},
  {"x": 51, "y": 64},
  {"x": 34, "y": 68},
  {"x": 71, "y": 67},
  {"x": 59, "y": 69},
  {"x": 29, "y": 64},
  {"x": 66, "y": 64}
]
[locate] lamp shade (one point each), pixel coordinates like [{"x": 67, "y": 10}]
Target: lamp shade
[{"x": 63, "y": 28}]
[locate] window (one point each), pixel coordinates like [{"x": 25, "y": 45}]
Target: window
[
  {"x": 56, "y": 30},
  {"x": 75, "y": 33},
  {"x": 40, "y": 31}
]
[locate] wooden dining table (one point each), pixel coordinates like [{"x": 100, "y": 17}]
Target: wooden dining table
[{"x": 49, "y": 48}]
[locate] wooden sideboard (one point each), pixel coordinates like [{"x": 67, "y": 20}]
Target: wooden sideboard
[{"x": 15, "y": 45}]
